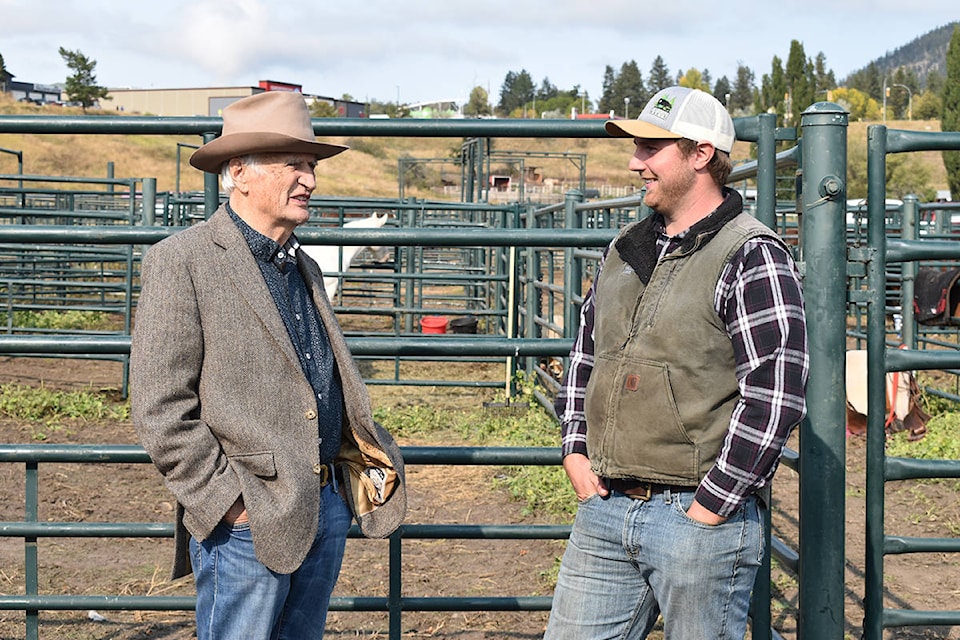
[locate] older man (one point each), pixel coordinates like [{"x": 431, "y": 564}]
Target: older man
[{"x": 246, "y": 397}]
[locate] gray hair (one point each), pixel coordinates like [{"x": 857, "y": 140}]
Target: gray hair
[{"x": 226, "y": 180}]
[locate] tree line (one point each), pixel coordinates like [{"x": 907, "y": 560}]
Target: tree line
[{"x": 787, "y": 89}]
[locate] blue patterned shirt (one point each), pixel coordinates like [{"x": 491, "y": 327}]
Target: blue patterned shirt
[{"x": 305, "y": 327}]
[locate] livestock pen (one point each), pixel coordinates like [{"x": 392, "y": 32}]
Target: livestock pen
[{"x": 519, "y": 271}]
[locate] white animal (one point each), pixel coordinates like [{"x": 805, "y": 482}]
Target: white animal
[{"x": 329, "y": 256}]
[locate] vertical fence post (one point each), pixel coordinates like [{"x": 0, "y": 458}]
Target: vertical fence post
[
  {"x": 909, "y": 225},
  {"x": 30, "y": 555},
  {"x": 767, "y": 169},
  {"x": 211, "y": 188},
  {"x": 149, "y": 202},
  {"x": 394, "y": 598},
  {"x": 572, "y": 274},
  {"x": 876, "y": 380},
  {"x": 766, "y": 213},
  {"x": 822, "y": 434}
]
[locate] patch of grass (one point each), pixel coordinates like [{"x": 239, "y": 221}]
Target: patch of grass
[
  {"x": 940, "y": 443},
  {"x": 520, "y": 423},
  {"x": 49, "y": 408},
  {"x": 65, "y": 320}
]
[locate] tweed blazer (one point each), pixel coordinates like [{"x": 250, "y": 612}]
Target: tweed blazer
[{"x": 222, "y": 406}]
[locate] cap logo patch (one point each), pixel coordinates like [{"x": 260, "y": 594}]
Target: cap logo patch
[{"x": 662, "y": 108}]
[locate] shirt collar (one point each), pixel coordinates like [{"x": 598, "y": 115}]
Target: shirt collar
[{"x": 263, "y": 248}]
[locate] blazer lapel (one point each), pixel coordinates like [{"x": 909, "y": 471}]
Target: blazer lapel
[{"x": 242, "y": 271}]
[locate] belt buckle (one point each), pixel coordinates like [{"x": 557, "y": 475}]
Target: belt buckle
[
  {"x": 323, "y": 470},
  {"x": 642, "y": 492}
]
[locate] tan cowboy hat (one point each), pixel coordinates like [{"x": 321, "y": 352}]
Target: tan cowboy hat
[{"x": 269, "y": 122}]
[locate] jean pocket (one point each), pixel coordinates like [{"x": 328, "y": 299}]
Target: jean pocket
[
  {"x": 588, "y": 499},
  {"x": 682, "y": 502}
]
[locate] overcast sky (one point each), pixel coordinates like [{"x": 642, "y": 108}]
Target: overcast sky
[{"x": 421, "y": 50}]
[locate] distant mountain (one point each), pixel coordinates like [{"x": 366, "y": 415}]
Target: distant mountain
[{"x": 923, "y": 55}]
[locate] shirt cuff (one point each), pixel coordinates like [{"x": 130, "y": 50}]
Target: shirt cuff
[
  {"x": 713, "y": 496},
  {"x": 574, "y": 446}
]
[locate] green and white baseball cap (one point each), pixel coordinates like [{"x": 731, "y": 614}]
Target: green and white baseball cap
[{"x": 680, "y": 112}]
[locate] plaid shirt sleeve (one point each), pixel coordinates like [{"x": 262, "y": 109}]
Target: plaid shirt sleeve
[
  {"x": 570, "y": 400},
  {"x": 760, "y": 298}
]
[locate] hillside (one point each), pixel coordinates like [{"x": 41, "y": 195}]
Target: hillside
[
  {"x": 923, "y": 55},
  {"x": 370, "y": 169}
]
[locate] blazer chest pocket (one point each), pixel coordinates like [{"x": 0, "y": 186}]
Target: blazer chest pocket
[{"x": 260, "y": 464}]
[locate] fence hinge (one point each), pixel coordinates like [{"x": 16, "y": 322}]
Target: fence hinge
[{"x": 863, "y": 255}]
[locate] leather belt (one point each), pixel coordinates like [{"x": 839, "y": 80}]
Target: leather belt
[{"x": 640, "y": 490}]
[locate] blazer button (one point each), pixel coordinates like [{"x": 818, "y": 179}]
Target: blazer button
[
  {"x": 310, "y": 415},
  {"x": 316, "y": 468}
]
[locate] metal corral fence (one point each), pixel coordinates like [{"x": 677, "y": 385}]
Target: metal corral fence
[
  {"x": 884, "y": 356},
  {"x": 91, "y": 281},
  {"x": 526, "y": 279}
]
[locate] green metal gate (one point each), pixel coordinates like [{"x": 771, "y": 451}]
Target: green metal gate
[{"x": 877, "y": 254}]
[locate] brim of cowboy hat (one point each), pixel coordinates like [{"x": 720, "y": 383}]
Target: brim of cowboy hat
[
  {"x": 637, "y": 129},
  {"x": 211, "y": 156}
]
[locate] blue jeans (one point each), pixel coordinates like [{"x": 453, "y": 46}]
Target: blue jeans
[
  {"x": 628, "y": 561},
  {"x": 238, "y": 598}
]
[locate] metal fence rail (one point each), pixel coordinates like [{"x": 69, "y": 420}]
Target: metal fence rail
[{"x": 30, "y": 530}]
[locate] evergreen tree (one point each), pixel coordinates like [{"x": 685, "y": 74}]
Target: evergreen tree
[
  {"x": 722, "y": 91},
  {"x": 82, "y": 85},
  {"x": 773, "y": 89},
  {"x": 935, "y": 83},
  {"x": 800, "y": 83},
  {"x": 659, "y": 76},
  {"x": 547, "y": 90},
  {"x": 868, "y": 81},
  {"x": 629, "y": 86},
  {"x": 900, "y": 91},
  {"x": 606, "y": 96},
  {"x": 950, "y": 116},
  {"x": 824, "y": 79},
  {"x": 874, "y": 82},
  {"x": 741, "y": 98},
  {"x": 516, "y": 92}
]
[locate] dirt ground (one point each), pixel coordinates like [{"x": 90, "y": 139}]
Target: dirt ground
[{"x": 134, "y": 493}]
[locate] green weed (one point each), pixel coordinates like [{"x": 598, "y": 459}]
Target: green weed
[
  {"x": 942, "y": 441},
  {"x": 65, "y": 320},
  {"x": 521, "y": 422},
  {"x": 49, "y": 408}
]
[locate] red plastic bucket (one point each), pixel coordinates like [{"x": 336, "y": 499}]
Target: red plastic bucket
[{"x": 433, "y": 324}]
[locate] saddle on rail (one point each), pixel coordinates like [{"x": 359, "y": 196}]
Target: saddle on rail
[{"x": 937, "y": 296}]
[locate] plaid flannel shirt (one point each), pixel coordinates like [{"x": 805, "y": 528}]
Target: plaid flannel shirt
[{"x": 760, "y": 299}]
